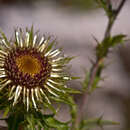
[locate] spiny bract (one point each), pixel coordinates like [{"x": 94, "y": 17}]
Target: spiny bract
[{"x": 30, "y": 69}]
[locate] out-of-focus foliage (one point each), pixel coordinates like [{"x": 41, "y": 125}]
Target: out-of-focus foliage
[
  {"x": 80, "y": 4},
  {"x": 15, "y": 1}
]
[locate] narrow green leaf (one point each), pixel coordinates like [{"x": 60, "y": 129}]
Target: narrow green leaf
[
  {"x": 48, "y": 121},
  {"x": 107, "y": 122},
  {"x": 52, "y": 122},
  {"x": 72, "y": 91},
  {"x": 66, "y": 60},
  {"x": 6, "y": 112},
  {"x": 4, "y": 37},
  {"x": 95, "y": 83},
  {"x": 118, "y": 39},
  {"x": 47, "y": 105},
  {"x": 62, "y": 99},
  {"x": 50, "y": 45},
  {"x": 85, "y": 124},
  {"x": 109, "y": 42},
  {"x": 31, "y": 35},
  {"x": 31, "y": 121},
  {"x": 107, "y": 7},
  {"x": 74, "y": 78},
  {"x": 86, "y": 80}
]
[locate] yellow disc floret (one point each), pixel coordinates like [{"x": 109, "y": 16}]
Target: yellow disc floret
[{"x": 28, "y": 64}]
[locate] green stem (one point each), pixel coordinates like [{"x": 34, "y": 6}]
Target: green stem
[
  {"x": 109, "y": 27},
  {"x": 112, "y": 19},
  {"x": 96, "y": 66},
  {"x": 73, "y": 112}
]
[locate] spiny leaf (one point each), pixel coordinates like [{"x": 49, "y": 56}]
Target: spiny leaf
[
  {"x": 68, "y": 100},
  {"x": 73, "y": 109},
  {"x": 95, "y": 39},
  {"x": 31, "y": 35},
  {"x": 117, "y": 39},
  {"x": 62, "y": 99},
  {"x": 66, "y": 60},
  {"x": 72, "y": 91},
  {"x": 50, "y": 45},
  {"x": 47, "y": 105},
  {"x": 95, "y": 83},
  {"x": 5, "y": 38},
  {"x": 52, "y": 122},
  {"x": 86, "y": 80},
  {"x": 74, "y": 78},
  {"x": 106, "y": 6},
  {"x": 85, "y": 124},
  {"x": 48, "y": 121},
  {"x": 109, "y": 42},
  {"x": 31, "y": 121}
]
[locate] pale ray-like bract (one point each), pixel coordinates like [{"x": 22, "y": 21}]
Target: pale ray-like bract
[{"x": 31, "y": 69}]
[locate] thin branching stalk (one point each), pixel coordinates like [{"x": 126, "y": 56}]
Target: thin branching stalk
[
  {"x": 97, "y": 64},
  {"x": 111, "y": 20}
]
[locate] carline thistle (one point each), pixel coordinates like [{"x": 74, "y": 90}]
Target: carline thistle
[{"x": 30, "y": 69}]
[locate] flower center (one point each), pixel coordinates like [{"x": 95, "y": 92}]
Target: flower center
[
  {"x": 28, "y": 64},
  {"x": 27, "y": 67}
]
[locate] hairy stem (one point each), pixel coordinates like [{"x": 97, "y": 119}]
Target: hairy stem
[
  {"x": 96, "y": 66},
  {"x": 94, "y": 70}
]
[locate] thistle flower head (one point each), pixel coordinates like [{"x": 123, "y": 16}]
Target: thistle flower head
[{"x": 30, "y": 69}]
